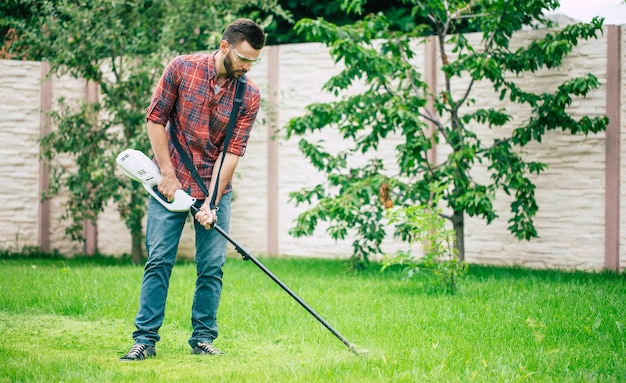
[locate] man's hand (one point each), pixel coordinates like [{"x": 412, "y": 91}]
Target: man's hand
[
  {"x": 168, "y": 185},
  {"x": 205, "y": 216}
]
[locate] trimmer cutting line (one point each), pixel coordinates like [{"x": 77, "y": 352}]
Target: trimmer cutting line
[{"x": 139, "y": 167}]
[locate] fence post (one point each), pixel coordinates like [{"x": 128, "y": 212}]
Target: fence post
[
  {"x": 430, "y": 77},
  {"x": 43, "y": 221},
  {"x": 91, "y": 229},
  {"x": 612, "y": 152},
  {"x": 272, "y": 151}
]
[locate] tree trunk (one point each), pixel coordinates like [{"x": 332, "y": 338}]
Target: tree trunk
[
  {"x": 137, "y": 248},
  {"x": 458, "y": 222},
  {"x": 135, "y": 224}
]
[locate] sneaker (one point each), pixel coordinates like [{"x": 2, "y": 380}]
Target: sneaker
[
  {"x": 205, "y": 348},
  {"x": 139, "y": 352}
]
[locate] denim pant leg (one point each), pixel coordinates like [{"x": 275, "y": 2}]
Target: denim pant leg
[
  {"x": 210, "y": 258},
  {"x": 163, "y": 231}
]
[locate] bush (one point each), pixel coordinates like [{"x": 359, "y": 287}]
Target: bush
[{"x": 425, "y": 224}]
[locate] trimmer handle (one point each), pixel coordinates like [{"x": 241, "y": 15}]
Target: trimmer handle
[{"x": 140, "y": 168}]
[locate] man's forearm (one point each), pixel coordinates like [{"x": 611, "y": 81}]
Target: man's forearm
[
  {"x": 160, "y": 147},
  {"x": 226, "y": 174}
]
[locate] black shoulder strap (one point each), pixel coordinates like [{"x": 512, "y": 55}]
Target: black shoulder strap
[
  {"x": 241, "y": 89},
  {"x": 239, "y": 93}
]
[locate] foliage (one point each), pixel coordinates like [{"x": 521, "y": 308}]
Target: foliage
[
  {"x": 380, "y": 60},
  {"x": 122, "y": 47},
  {"x": 423, "y": 224},
  {"x": 107, "y": 43},
  {"x": 12, "y": 14},
  {"x": 282, "y": 32},
  {"x": 278, "y": 17}
]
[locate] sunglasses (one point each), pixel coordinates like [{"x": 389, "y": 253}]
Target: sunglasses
[{"x": 243, "y": 59}]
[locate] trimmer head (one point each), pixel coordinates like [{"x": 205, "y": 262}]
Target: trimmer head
[{"x": 357, "y": 351}]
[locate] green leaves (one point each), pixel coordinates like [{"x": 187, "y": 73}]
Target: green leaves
[
  {"x": 121, "y": 46},
  {"x": 550, "y": 113},
  {"x": 392, "y": 102},
  {"x": 320, "y": 159},
  {"x": 350, "y": 203},
  {"x": 80, "y": 163},
  {"x": 425, "y": 225}
]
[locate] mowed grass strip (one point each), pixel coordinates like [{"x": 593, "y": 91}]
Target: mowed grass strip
[{"x": 71, "y": 320}]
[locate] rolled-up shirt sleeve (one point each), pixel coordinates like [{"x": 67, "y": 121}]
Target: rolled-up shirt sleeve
[
  {"x": 245, "y": 122},
  {"x": 165, "y": 94}
]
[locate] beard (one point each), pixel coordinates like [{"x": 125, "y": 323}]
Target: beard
[{"x": 230, "y": 72}]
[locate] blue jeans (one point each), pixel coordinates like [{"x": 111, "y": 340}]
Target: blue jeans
[{"x": 163, "y": 231}]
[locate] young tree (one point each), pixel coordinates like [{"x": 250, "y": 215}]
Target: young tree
[
  {"x": 122, "y": 47},
  {"x": 395, "y": 102}
]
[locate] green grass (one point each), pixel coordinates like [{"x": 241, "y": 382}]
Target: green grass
[{"x": 70, "y": 321}]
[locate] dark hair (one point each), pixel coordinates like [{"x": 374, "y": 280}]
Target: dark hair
[{"x": 245, "y": 29}]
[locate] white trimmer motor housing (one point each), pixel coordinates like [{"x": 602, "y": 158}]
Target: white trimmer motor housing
[{"x": 140, "y": 168}]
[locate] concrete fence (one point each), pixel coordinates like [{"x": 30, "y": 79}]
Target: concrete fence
[{"x": 580, "y": 221}]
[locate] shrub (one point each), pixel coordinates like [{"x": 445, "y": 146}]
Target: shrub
[{"x": 425, "y": 224}]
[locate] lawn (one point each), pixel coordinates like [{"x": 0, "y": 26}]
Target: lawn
[{"x": 71, "y": 320}]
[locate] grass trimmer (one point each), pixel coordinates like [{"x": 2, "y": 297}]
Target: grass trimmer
[{"x": 140, "y": 168}]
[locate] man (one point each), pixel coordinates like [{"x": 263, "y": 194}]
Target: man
[{"x": 193, "y": 101}]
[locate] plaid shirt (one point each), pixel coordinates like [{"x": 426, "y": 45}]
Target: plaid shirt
[{"x": 187, "y": 102}]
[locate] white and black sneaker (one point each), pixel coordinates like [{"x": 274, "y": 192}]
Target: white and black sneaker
[
  {"x": 205, "y": 348},
  {"x": 139, "y": 352}
]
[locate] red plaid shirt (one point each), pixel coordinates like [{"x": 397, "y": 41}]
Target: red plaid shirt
[{"x": 185, "y": 101}]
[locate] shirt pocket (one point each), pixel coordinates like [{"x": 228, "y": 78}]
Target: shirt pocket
[
  {"x": 219, "y": 118},
  {"x": 193, "y": 111},
  {"x": 217, "y": 125}
]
